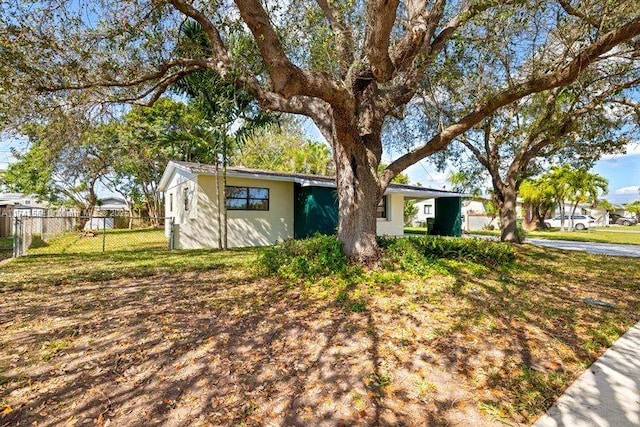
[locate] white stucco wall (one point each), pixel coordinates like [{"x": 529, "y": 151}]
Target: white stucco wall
[
  {"x": 421, "y": 216},
  {"x": 198, "y": 227},
  {"x": 262, "y": 228},
  {"x": 180, "y": 180},
  {"x": 393, "y": 225}
]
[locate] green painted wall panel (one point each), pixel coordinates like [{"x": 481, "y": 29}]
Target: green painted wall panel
[
  {"x": 448, "y": 220},
  {"x": 316, "y": 211}
]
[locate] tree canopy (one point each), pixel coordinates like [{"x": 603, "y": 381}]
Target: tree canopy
[
  {"x": 352, "y": 67},
  {"x": 284, "y": 148},
  {"x": 65, "y": 164}
]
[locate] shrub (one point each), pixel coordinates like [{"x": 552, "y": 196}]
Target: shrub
[
  {"x": 310, "y": 258},
  {"x": 521, "y": 235},
  {"x": 409, "y": 252}
]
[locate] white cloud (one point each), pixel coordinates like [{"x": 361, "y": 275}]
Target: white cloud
[
  {"x": 633, "y": 149},
  {"x": 631, "y": 189},
  {"x": 427, "y": 175}
]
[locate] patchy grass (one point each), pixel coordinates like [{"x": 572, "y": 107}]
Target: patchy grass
[
  {"x": 197, "y": 338},
  {"x": 113, "y": 240},
  {"x": 415, "y": 230},
  {"x": 595, "y": 236},
  {"x": 6, "y": 247}
]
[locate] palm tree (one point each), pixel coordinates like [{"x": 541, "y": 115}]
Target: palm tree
[
  {"x": 557, "y": 179},
  {"x": 537, "y": 195},
  {"x": 574, "y": 186},
  {"x": 231, "y": 114}
]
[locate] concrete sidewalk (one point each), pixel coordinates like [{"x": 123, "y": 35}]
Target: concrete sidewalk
[{"x": 606, "y": 394}]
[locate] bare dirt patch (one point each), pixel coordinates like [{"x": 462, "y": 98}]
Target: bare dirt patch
[{"x": 466, "y": 346}]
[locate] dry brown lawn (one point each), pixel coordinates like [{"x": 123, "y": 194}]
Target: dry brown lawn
[{"x": 198, "y": 338}]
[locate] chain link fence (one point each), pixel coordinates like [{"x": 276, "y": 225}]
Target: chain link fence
[
  {"x": 48, "y": 235},
  {"x": 6, "y": 237}
]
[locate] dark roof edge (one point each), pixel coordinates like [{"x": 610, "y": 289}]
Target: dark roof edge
[{"x": 211, "y": 169}]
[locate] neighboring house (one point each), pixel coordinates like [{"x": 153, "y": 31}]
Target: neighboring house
[
  {"x": 106, "y": 214},
  {"x": 426, "y": 210},
  {"x": 264, "y": 207},
  {"x": 26, "y": 205},
  {"x": 475, "y": 216},
  {"x": 111, "y": 206},
  {"x": 14, "y": 205}
]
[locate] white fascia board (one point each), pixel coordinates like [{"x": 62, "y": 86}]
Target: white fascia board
[
  {"x": 313, "y": 183},
  {"x": 258, "y": 176},
  {"x": 170, "y": 171},
  {"x": 423, "y": 194}
]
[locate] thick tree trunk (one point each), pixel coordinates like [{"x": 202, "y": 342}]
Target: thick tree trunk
[
  {"x": 530, "y": 220},
  {"x": 508, "y": 215},
  {"x": 542, "y": 215},
  {"x": 538, "y": 220},
  {"x": 358, "y": 196}
]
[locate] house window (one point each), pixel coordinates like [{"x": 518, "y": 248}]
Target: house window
[
  {"x": 247, "y": 198},
  {"x": 427, "y": 209},
  {"x": 170, "y": 202},
  {"x": 381, "y": 212},
  {"x": 185, "y": 193}
]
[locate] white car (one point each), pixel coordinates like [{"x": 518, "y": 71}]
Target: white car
[{"x": 580, "y": 222}]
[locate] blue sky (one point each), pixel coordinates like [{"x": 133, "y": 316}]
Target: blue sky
[
  {"x": 623, "y": 173},
  {"x": 622, "y": 170}
]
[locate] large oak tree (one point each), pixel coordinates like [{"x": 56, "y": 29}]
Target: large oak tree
[
  {"x": 575, "y": 125},
  {"x": 348, "y": 65}
]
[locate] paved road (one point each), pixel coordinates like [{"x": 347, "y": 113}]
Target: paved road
[
  {"x": 607, "y": 394},
  {"x": 590, "y": 247}
]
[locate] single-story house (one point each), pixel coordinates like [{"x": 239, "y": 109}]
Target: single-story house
[
  {"x": 425, "y": 210},
  {"x": 264, "y": 207},
  {"x": 13, "y": 205},
  {"x": 111, "y": 206}
]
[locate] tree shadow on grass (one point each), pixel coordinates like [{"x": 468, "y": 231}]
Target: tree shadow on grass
[
  {"x": 218, "y": 346},
  {"x": 203, "y": 347},
  {"x": 534, "y": 327}
]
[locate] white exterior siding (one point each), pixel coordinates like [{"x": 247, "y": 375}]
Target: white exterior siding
[
  {"x": 180, "y": 180},
  {"x": 198, "y": 226},
  {"x": 393, "y": 225},
  {"x": 426, "y": 210}
]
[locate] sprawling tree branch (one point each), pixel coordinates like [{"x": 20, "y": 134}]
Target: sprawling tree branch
[
  {"x": 430, "y": 45},
  {"x": 566, "y": 5},
  {"x": 219, "y": 49},
  {"x": 381, "y": 15},
  {"x": 345, "y": 36},
  {"x": 287, "y": 79},
  {"x": 161, "y": 73},
  {"x": 563, "y": 76}
]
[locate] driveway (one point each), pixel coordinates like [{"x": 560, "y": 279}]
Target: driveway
[
  {"x": 613, "y": 249},
  {"x": 590, "y": 247}
]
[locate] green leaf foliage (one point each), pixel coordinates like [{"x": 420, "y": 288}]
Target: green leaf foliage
[
  {"x": 409, "y": 253},
  {"x": 310, "y": 258},
  {"x": 320, "y": 256}
]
